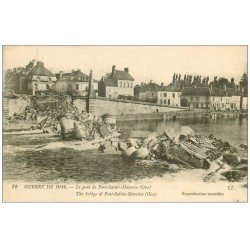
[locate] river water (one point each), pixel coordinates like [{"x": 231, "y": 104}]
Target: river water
[
  {"x": 232, "y": 130},
  {"x": 65, "y": 164}
]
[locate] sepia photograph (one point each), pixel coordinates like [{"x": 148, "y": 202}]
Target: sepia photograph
[{"x": 125, "y": 123}]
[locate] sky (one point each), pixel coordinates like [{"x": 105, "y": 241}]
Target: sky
[{"x": 145, "y": 63}]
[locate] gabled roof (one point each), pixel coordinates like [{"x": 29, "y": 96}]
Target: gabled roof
[
  {"x": 200, "y": 91},
  {"x": 120, "y": 75},
  {"x": 39, "y": 70},
  {"x": 109, "y": 82},
  {"x": 76, "y": 75},
  {"x": 150, "y": 87}
]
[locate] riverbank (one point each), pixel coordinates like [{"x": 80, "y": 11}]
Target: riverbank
[
  {"x": 184, "y": 114},
  {"x": 46, "y": 159}
]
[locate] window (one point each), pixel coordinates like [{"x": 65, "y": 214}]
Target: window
[
  {"x": 131, "y": 85},
  {"x": 49, "y": 79},
  {"x": 197, "y": 98},
  {"x": 47, "y": 86},
  {"x": 152, "y": 94},
  {"x": 35, "y": 86},
  {"x": 120, "y": 84},
  {"x": 124, "y": 85},
  {"x": 77, "y": 86},
  {"x": 168, "y": 102},
  {"x": 86, "y": 88},
  {"x": 160, "y": 101},
  {"x": 128, "y": 84},
  {"x": 173, "y": 95},
  {"x": 165, "y": 102},
  {"x": 165, "y": 94}
]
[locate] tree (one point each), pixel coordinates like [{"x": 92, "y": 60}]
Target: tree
[{"x": 244, "y": 83}]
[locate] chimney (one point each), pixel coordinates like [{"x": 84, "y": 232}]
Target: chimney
[
  {"x": 34, "y": 62},
  {"x": 61, "y": 73},
  {"x": 126, "y": 69},
  {"x": 162, "y": 84},
  {"x": 113, "y": 69},
  {"x": 225, "y": 86},
  {"x": 151, "y": 81},
  {"x": 40, "y": 63}
]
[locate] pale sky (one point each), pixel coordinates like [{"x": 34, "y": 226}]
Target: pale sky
[{"x": 158, "y": 63}]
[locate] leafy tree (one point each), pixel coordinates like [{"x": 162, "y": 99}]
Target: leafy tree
[{"x": 244, "y": 83}]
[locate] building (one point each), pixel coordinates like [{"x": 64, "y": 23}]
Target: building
[
  {"x": 39, "y": 78},
  {"x": 75, "y": 82},
  {"x": 35, "y": 77},
  {"x": 167, "y": 95},
  {"x": 227, "y": 99},
  {"x": 149, "y": 92},
  {"x": 196, "y": 97},
  {"x": 15, "y": 80},
  {"x": 211, "y": 98},
  {"x": 220, "y": 100},
  {"x": 244, "y": 103},
  {"x": 117, "y": 85}
]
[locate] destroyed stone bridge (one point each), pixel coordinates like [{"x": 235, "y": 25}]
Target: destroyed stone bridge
[{"x": 97, "y": 106}]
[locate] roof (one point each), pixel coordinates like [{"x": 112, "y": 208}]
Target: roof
[
  {"x": 39, "y": 70},
  {"x": 150, "y": 87},
  {"x": 227, "y": 92},
  {"x": 169, "y": 89},
  {"x": 109, "y": 82},
  {"x": 75, "y": 75},
  {"x": 120, "y": 75},
  {"x": 201, "y": 91}
]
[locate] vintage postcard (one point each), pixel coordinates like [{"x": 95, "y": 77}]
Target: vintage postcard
[{"x": 125, "y": 124}]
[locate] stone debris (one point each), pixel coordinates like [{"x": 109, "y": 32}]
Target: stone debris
[
  {"x": 184, "y": 149},
  {"x": 59, "y": 116},
  {"x": 181, "y": 148}
]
